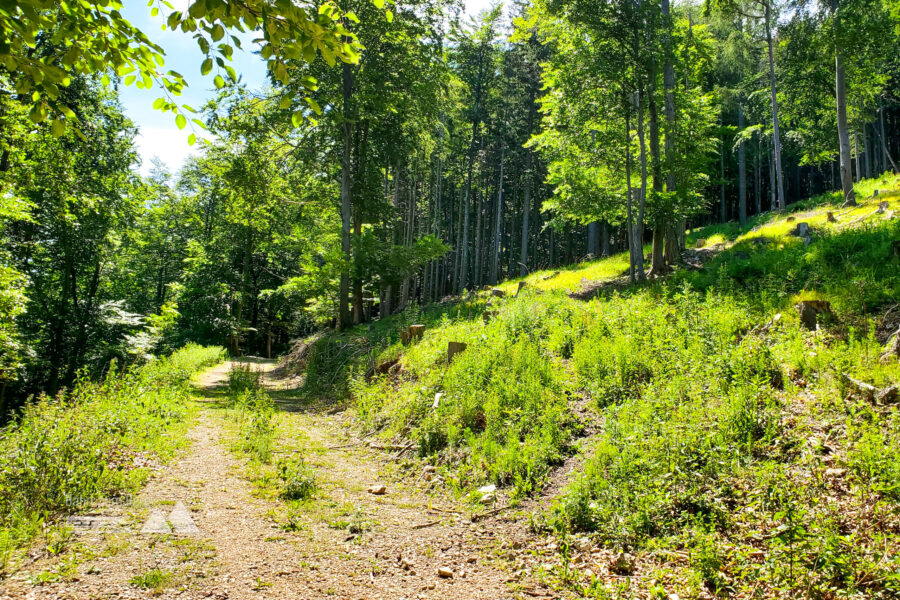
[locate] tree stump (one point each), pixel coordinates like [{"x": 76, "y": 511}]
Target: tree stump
[
  {"x": 831, "y": 218},
  {"x": 454, "y": 348},
  {"x": 497, "y": 293},
  {"x": 522, "y": 284},
  {"x": 416, "y": 332},
  {"x": 404, "y": 336},
  {"x": 810, "y": 310},
  {"x": 700, "y": 243}
]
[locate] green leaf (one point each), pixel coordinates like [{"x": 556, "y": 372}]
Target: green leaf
[
  {"x": 378, "y": 3},
  {"x": 206, "y": 67},
  {"x": 297, "y": 118},
  {"x": 180, "y": 120},
  {"x": 130, "y": 79},
  {"x": 58, "y": 127},
  {"x": 389, "y": 16},
  {"x": 220, "y": 83},
  {"x": 192, "y": 139}
]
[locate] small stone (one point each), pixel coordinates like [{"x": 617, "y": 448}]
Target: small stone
[
  {"x": 835, "y": 472},
  {"x": 429, "y": 469},
  {"x": 445, "y": 573},
  {"x": 623, "y": 564},
  {"x": 378, "y": 489},
  {"x": 674, "y": 596},
  {"x": 582, "y": 544},
  {"x": 488, "y": 498},
  {"x": 487, "y": 489},
  {"x": 472, "y": 559}
]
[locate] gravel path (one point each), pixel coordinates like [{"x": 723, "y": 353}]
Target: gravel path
[{"x": 345, "y": 543}]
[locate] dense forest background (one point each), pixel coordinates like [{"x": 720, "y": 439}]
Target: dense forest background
[{"x": 449, "y": 155}]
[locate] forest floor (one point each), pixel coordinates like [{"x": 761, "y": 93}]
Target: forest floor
[{"x": 345, "y": 543}]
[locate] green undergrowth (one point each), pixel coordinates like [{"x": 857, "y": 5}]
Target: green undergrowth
[
  {"x": 724, "y": 429},
  {"x": 277, "y": 473},
  {"x": 65, "y": 452}
]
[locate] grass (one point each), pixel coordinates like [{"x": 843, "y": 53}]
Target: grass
[
  {"x": 63, "y": 453},
  {"x": 154, "y": 579},
  {"x": 726, "y": 432}
]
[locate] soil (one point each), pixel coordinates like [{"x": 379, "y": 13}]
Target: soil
[{"x": 343, "y": 543}]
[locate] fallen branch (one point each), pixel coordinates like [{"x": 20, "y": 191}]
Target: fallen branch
[
  {"x": 444, "y": 510},
  {"x": 489, "y": 513},
  {"x": 869, "y": 392},
  {"x": 424, "y": 525}
]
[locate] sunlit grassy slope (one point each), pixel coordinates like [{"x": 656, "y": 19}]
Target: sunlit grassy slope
[{"x": 709, "y": 424}]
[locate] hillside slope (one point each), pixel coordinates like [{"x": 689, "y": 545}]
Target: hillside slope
[{"x": 730, "y": 443}]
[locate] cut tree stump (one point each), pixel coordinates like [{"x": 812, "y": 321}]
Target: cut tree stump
[
  {"x": 892, "y": 349},
  {"x": 522, "y": 285},
  {"x": 831, "y": 218},
  {"x": 810, "y": 310},
  {"x": 416, "y": 331},
  {"x": 497, "y": 293},
  {"x": 700, "y": 243},
  {"x": 404, "y": 336},
  {"x": 454, "y": 348}
]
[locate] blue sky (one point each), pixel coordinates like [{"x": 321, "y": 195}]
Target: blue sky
[{"x": 159, "y": 136}]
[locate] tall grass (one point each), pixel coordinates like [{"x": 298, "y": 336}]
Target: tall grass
[{"x": 65, "y": 452}]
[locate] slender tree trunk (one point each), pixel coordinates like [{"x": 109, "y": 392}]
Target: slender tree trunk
[
  {"x": 344, "y": 319},
  {"x": 495, "y": 258},
  {"x": 840, "y": 88},
  {"x": 722, "y": 205},
  {"x": 773, "y": 200},
  {"x": 629, "y": 212},
  {"x": 742, "y": 171},
  {"x": 779, "y": 174},
  {"x": 642, "y": 202},
  {"x": 523, "y": 255},
  {"x": 756, "y": 191},
  {"x": 592, "y": 239},
  {"x": 856, "y": 151}
]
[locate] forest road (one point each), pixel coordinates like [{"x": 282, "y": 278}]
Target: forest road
[{"x": 410, "y": 542}]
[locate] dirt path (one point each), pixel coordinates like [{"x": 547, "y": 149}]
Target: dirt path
[{"x": 344, "y": 543}]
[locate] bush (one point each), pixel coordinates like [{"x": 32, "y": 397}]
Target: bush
[
  {"x": 298, "y": 480},
  {"x": 65, "y": 452}
]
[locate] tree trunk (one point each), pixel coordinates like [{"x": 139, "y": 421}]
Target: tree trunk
[
  {"x": 344, "y": 319},
  {"x": 642, "y": 201},
  {"x": 629, "y": 212},
  {"x": 495, "y": 258},
  {"x": 742, "y": 171},
  {"x": 523, "y": 255},
  {"x": 840, "y": 88},
  {"x": 593, "y": 244},
  {"x": 779, "y": 174},
  {"x": 722, "y": 205}
]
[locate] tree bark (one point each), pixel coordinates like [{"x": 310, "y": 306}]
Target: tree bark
[
  {"x": 495, "y": 257},
  {"x": 344, "y": 318},
  {"x": 840, "y": 89},
  {"x": 779, "y": 174},
  {"x": 742, "y": 171}
]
